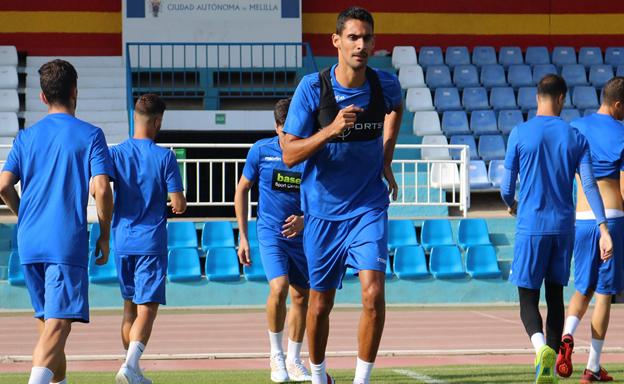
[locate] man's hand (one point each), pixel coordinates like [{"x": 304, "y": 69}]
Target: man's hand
[
  {"x": 293, "y": 226},
  {"x": 606, "y": 245},
  {"x": 102, "y": 247},
  {"x": 344, "y": 120},
  {"x": 244, "y": 255},
  {"x": 513, "y": 210},
  {"x": 393, "y": 188}
]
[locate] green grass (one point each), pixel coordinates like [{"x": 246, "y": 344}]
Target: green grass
[{"x": 447, "y": 374}]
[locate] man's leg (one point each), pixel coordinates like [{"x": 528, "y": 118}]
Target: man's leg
[
  {"x": 49, "y": 354},
  {"x": 576, "y": 310},
  {"x": 276, "y": 312},
  {"x": 129, "y": 316},
  {"x": 556, "y": 313},
  {"x": 319, "y": 308},
  {"x": 140, "y": 333},
  {"x": 599, "y": 325},
  {"x": 297, "y": 318},
  {"x": 372, "y": 322}
]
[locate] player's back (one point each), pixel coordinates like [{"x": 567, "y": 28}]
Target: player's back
[{"x": 605, "y": 136}]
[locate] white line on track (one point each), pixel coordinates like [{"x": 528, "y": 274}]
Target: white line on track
[
  {"x": 497, "y": 318},
  {"x": 418, "y": 376}
]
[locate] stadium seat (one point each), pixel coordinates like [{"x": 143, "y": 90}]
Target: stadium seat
[
  {"x": 181, "y": 234},
  {"x": 589, "y": 56},
  {"x": 509, "y": 56},
  {"x": 481, "y": 262},
  {"x": 9, "y": 101},
  {"x": 455, "y": 123},
  {"x": 435, "y": 153},
  {"x": 418, "y": 99},
  {"x": 496, "y": 170},
  {"x": 410, "y": 263},
  {"x": 8, "y": 55},
  {"x": 464, "y": 140},
  {"x": 9, "y": 125},
  {"x": 217, "y": 234},
  {"x": 585, "y": 97},
  {"x": 589, "y": 111},
  {"x": 527, "y": 98},
  {"x": 520, "y": 75},
  {"x": 465, "y": 76},
  {"x": 491, "y": 147},
  {"x": 401, "y": 233},
  {"x": 8, "y": 233},
  {"x": 599, "y": 74},
  {"x": 445, "y": 176},
  {"x": 430, "y": 56},
  {"x": 457, "y": 56},
  {"x": 102, "y": 274},
  {"x": 614, "y": 56},
  {"x": 563, "y": 55},
  {"x": 483, "y": 122},
  {"x": 255, "y": 272},
  {"x": 183, "y": 265},
  {"x": 426, "y": 123},
  {"x": 539, "y": 71},
  {"x": 350, "y": 274},
  {"x": 436, "y": 233},
  {"x": 493, "y": 75},
  {"x": 508, "y": 119},
  {"x": 16, "y": 272},
  {"x": 438, "y": 76},
  {"x": 472, "y": 232},
  {"x": 446, "y": 263},
  {"x": 474, "y": 98},
  {"x": 222, "y": 265},
  {"x": 94, "y": 234},
  {"x": 537, "y": 55},
  {"x": 8, "y": 78},
  {"x": 447, "y": 99},
  {"x": 620, "y": 70},
  {"x": 483, "y": 55},
  {"x": 478, "y": 175},
  {"x": 569, "y": 114},
  {"x": 574, "y": 74},
  {"x": 568, "y": 100},
  {"x": 411, "y": 76},
  {"x": 502, "y": 98},
  {"x": 403, "y": 55},
  {"x": 531, "y": 113}
]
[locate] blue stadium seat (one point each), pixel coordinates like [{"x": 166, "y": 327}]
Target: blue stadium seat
[
  {"x": 520, "y": 75},
  {"x": 217, "y": 234},
  {"x": 473, "y": 232},
  {"x": 478, "y": 175},
  {"x": 574, "y": 74},
  {"x": 483, "y": 122},
  {"x": 6, "y": 237},
  {"x": 464, "y": 140},
  {"x": 457, "y": 56},
  {"x": 585, "y": 97},
  {"x": 531, "y": 113},
  {"x": 447, "y": 99},
  {"x": 569, "y": 114},
  {"x": 527, "y": 98},
  {"x": 438, "y": 76},
  {"x": 94, "y": 234},
  {"x": 614, "y": 56},
  {"x": 483, "y": 55},
  {"x": 493, "y": 75},
  {"x": 252, "y": 233},
  {"x": 183, "y": 265},
  {"x": 436, "y": 233},
  {"x": 410, "y": 263},
  {"x": 446, "y": 263},
  {"x": 465, "y": 76},
  {"x": 350, "y": 274},
  {"x": 455, "y": 123},
  {"x": 589, "y": 56},
  {"x": 539, "y": 71},
  {"x": 589, "y": 111},
  {"x": 509, "y": 56},
  {"x": 496, "y": 170},
  {"x": 389, "y": 273},
  {"x": 475, "y": 98},
  {"x": 16, "y": 272},
  {"x": 401, "y": 233},
  {"x": 255, "y": 272},
  {"x": 481, "y": 262},
  {"x": 502, "y": 98},
  {"x": 430, "y": 56},
  {"x": 181, "y": 234},
  {"x": 537, "y": 55},
  {"x": 102, "y": 274},
  {"x": 491, "y": 147},
  {"x": 222, "y": 264},
  {"x": 508, "y": 119},
  {"x": 563, "y": 55},
  {"x": 599, "y": 74},
  {"x": 620, "y": 70}
]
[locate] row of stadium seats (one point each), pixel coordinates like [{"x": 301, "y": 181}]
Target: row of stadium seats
[
  {"x": 9, "y": 99},
  {"x": 490, "y": 147}
]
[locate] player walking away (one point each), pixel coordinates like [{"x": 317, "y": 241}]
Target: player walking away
[
  {"x": 144, "y": 174},
  {"x": 547, "y": 153},
  {"x": 54, "y": 160},
  {"x": 605, "y": 135},
  {"x": 336, "y": 122},
  {"x": 279, "y": 227}
]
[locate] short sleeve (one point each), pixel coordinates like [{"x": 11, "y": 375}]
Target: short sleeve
[
  {"x": 12, "y": 163},
  {"x": 251, "y": 169},
  {"x": 512, "y": 156},
  {"x": 100, "y": 162},
  {"x": 300, "y": 118},
  {"x": 172, "y": 174},
  {"x": 391, "y": 90}
]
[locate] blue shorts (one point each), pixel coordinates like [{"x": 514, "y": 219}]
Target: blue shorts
[
  {"x": 541, "y": 257},
  {"x": 142, "y": 278},
  {"x": 281, "y": 257},
  {"x": 58, "y": 291},
  {"x": 590, "y": 272},
  {"x": 332, "y": 246}
]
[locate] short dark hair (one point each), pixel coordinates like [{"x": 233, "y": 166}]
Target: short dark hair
[
  {"x": 281, "y": 111},
  {"x": 357, "y": 13},
  {"x": 613, "y": 91},
  {"x": 552, "y": 85},
  {"x": 58, "y": 79},
  {"x": 150, "y": 105}
]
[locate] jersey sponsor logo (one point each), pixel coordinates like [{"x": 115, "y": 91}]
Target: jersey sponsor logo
[
  {"x": 363, "y": 130},
  {"x": 286, "y": 181},
  {"x": 272, "y": 158},
  {"x": 382, "y": 260}
]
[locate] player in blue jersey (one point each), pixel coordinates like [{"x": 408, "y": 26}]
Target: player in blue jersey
[
  {"x": 145, "y": 174},
  {"x": 344, "y": 121},
  {"x": 53, "y": 160},
  {"x": 593, "y": 276},
  {"x": 279, "y": 227},
  {"x": 547, "y": 153}
]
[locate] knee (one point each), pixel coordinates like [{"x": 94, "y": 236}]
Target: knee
[
  {"x": 373, "y": 299},
  {"x": 57, "y": 328},
  {"x": 299, "y": 300},
  {"x": 320, "y": 307},
  {"x": 279, "y": 292}
]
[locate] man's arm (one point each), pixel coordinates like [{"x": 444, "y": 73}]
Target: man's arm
[
  {"x": 241, "y": 206},
  {"x": 104, "y": 207},
  {"x": 622, "y": 184},
  {"x": 512, "y": 167},
  {"x": 178, "y": 202},
  {"x": 8, "y": 192},
  {"x": 392, "y": 125}
]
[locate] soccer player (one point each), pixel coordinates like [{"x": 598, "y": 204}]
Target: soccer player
[
  {"x": 344, "y": 121},
  {"x": 547, "y": 153},
  {"x": 592, "y": 275},
  {"x": 54, "y": 160},
  {"x": 144, "y": 174},
  {"x": 279, "y": 226}
]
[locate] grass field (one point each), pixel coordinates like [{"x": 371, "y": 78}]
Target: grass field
[{"x": 439, "y": 375}]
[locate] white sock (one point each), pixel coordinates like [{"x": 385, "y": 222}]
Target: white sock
[
  {"x": 363, "y": 371},
  {"x": 294, "y": 351},
  {"x": 570, "y": 325},
  {"x": 61, "y": 382},
  {"x": 135, "y": 350},
  {"x": 276, "y": 342},
  {"x": 538, "y": 341},
  {"x": 40, "y": 375},
  {"x": 593, "y": 363},
  {"x": 319, "y": 376}
]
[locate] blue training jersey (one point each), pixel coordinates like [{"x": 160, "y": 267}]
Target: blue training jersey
[
  {"x": 605, "y": 136},
  {"x": 547, "y": 152},
  {"x": 279, "y": 187},
  {"x": 54, "y": 160},
  {"x": 144, "y": 174},
  {"x": 344, "y": 180}
]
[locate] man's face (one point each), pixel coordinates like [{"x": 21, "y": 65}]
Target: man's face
[{"x": 355, "y": 44}]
